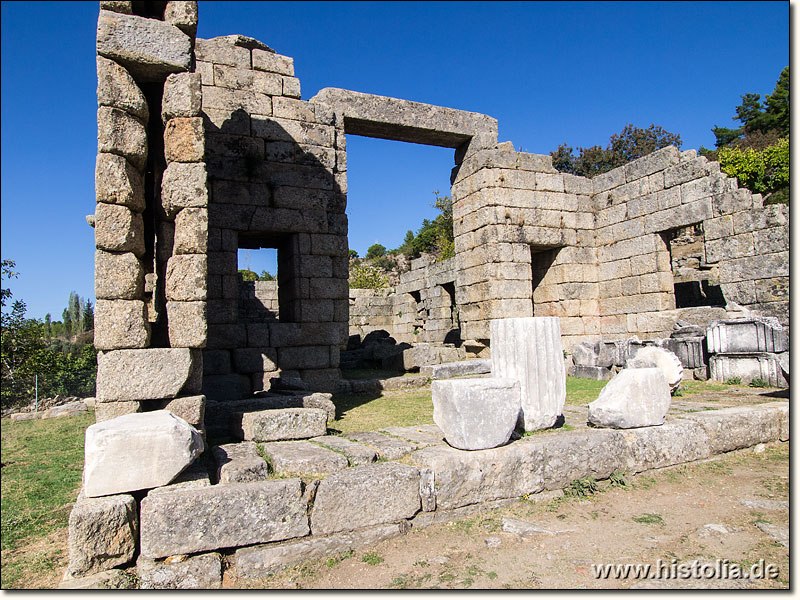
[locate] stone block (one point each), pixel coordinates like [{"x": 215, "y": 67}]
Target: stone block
[
  {"x": 279, "y": 424},
  {"x": 456, "y": 369},
  {"x": 183, "y": 15},
  {"x": 254, "y": 360},
  {"x": 184, "y": 185},
  {"x": 118, "y": 229},
  {"x": 529, "y": 350},
  {"x": 102, "y": 534},
  {"x": 152, "y": 373},
  {"x": 187, "y": 277},
  {"x": 222, "y": 51},
  {"x": 633, "y": 398},
  {"x": 476, "y": 414},
  {"x": 120, "y": 324},
  {"x": 273, "y": 63},
  {"x": 357, "y": 454},
  {"x": 303, "y": 458},
  {"x": 297, "y": 399},
  {"x": 200, "y": 572},
  {"x": 596, "y": 373},
  {"x": 739, "y": 426},
  {"x": 105, "y": 411},
  {"x": 117, "y": 89},
  {"x": 116, "y": 181},
  {"x": 260, "y": 561},
  {"x": 118, "y": 276},
  {"x": 746, "y": 335},
  {"x": 150, "y": 49},
  {"x": 661, "y": 358},
  {"x": 247, "y": 80},
  {"x": 189, "y": 408},
  {"x": 747, "y": 367},
  {"x": 229, "y": 516},
  {"x": 112, "y": 579},
  {"x": 182, "y": 96},
  {"x": 239, "y": 463},
  {"x": 138, "y": 451},
  {"x": 463, "y": 477},
  {"x": 119, "y": 132},
  {"x": 191, "y": 231},
  {"x": 689, "y": 350},
  {"x": 184, "y": 140},
  {"x": 670, "y": 444},
  {"x": 187, "y": 324},
  {"x": 195, "y": 476},
  {"x": 365, "y": 496},
  {"x": 388, "y": 447}
]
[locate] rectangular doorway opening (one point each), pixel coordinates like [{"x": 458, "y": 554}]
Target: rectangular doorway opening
[
  {"x": 542, "y": 258},
  {"x": 695, "y": 283}
]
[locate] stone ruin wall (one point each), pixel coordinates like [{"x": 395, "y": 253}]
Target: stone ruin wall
[{"x": 206, "y": 148}]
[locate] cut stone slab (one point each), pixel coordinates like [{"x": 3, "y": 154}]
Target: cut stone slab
[
  {"x": 70, "y": 409},
  {"x": 456, "y": 369},
  {"x": 229, "y": 516},
  {"x": 688, "y": 350},
  {"x": 195, "y": 476},
  {"x": 476, "y": 414},
  {"x": 365, "y": 496},
  {"x": 777, "y": 533},
  {"x": 464, "y": 477},
  {"x": 120, "y": 324},
  {"x": 596, "y": 373},
  {"x": 529, "y": 350},
  {"x": 420, "y": 435},
  {"x": 388, "y": 448},
  {"x": 634, "y": 398},
  {"x": 113, "y": 579},
  {"x": 201, "y": 572},
  {"x": 765, "y": 504},
  {"x": 303, "y": 458},
  {"x": 357, "y": 454},
  {"x": 148, "y": 374},
  {"x": 524, "y": 528},
  {"x": 116, "y": 88},
  {"x": 150, "y": 49},
  {"x": 652, "y": 356},
  {"x": 239, "y": 463},
  {"x": 299, "y": 399},
  {"x": 738, "y": 426},
  {"x": 260, "y": 561},
  {"x": 279, "y": 424},
  {"x": 747, "y": 367},
  {"x": 664, "y": 446},
  {"x": 137, "y": 452},
  {"x": 746, "y": 335},
  {"x": 102, "y": 534}
]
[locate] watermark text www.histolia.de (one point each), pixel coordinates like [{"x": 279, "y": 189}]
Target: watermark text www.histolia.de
[{"x": 696, "y": 569}]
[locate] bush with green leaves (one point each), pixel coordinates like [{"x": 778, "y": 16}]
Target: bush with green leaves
[
  {"x": 366, "y": 277},
  {"x": 761, "y": 171},
  {"x": 375, "y": 251}
]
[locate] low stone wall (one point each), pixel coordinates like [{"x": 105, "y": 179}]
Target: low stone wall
[{"x": 269, "y": 524}]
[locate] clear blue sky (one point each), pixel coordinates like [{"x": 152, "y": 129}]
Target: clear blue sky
[{"x": 550, "y": 72}]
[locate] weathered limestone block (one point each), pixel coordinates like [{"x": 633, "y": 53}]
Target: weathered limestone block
[
  {"x": 652, "y": 356},
  {"x": 596, "y": 373},
  {"x": 116, "y": 181},
  {"x": 187, "y": 277},
  {"x": 184, "y": 140},
  {"x": 189, "y": 408},
  {"x": 463, "y": 478},
  {"x": 689, "y": 350},
  {"x": 102, "y": 534},
  {"x": 121, "y": 133},
  {"x": 303, "y": 458},
  {"x": 138, "y": 451},
  {"x": 188, "y": 327},
  {"x": 756, "y": 365},
  {"x": 476, "y": 414},
  {"x": 112, "y": 579},
  {"x": 239, "y": 463},
  {"x": 229, "y": 516},
  {"x": 670, "y": 444},
  {"x": 183, "y": 15},
  {"x": 738, "y": 426},
  {"x": 117, "y": 89},
  {"x": 105, "y": 411},
  {"x": 65, "y": 410},
  {"x": 365, "y": 496},
  {"x": 201, "y": 572},
  {"x": 259, "y": 561},
  {"x": 273, "y": 63},
  {"x": 195, "y": 476},
  {"x": 148, "y": 48},
  {"x": 279, "y": 424},
  {"x": 529, "y": 350},
  {"x": 633, "y": 398},
  {"x": 152, "y": 373},
  {"x": 357, "y": 454},
  {"x": 420, "y": 435},
  {"x": 223, "y": 50},
  {"x": 389, "y": 448},
  {"x": 120, "y": 324},
  {"x": 746, "y": 335},
  {"x": 118, "y": 276},
  {"x": 299, "y": 399},
  {"x": 184, "y": 185},
  {"x": 118, "y": 229},
  {"x": 191, "y": 231},
  {"x": 120, "y": 6},
  {"x": 182, "y": 96}
]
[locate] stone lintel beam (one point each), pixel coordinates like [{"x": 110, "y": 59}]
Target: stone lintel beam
[{"x": 405, "y": 121}]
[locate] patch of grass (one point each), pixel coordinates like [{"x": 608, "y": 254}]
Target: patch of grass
[
  {"x": 581, "y": 488},
  {"x": 618, "y": 479},
  {"x": 364, "y": 413},
  {"x": 334, "y": 560},
  {"x": 581, "y": 391},
  {"x": 678, "y": 392},
  {"x": 41, "y": 476},
  {"x": 649, "y": 519},
  {"x": 372, "y": 558},
  {"x": 491, "y": 575},
  {"x": 758, "y": 383},
  {"x": 733, "y": 381}
]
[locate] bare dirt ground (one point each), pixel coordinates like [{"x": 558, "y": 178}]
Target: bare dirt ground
[{"x": 676, "y": 515}]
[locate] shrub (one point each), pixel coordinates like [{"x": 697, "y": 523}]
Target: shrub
[
  {"x": 376, "y": 251},
  {"x": 367, "y": 277},
  {"x": 761, "y": 171}
]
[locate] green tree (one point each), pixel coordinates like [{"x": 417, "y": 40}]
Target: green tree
[
  {"x": 266, "y": 276},
  {"x": 375, "y": 251},
  {"x": 248, "y": 275},
  {"x": 353, "y": 253},
  {"x": 364, "y": 276}
]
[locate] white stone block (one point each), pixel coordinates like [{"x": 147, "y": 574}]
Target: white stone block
[
  {"x": 633, "y": 398},
  {"x": 653, "y": 356}
]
